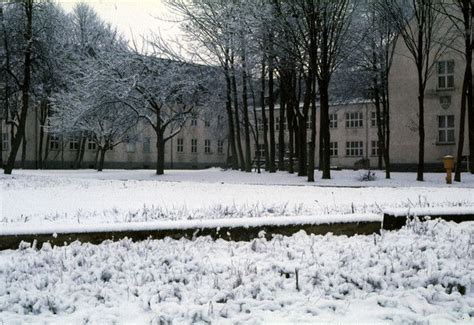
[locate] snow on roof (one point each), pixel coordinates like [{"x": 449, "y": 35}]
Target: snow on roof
[{"x": 356, "y": 101}]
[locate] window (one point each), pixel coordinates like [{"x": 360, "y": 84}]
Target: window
[
  {"x": 220, "y": 120},
  {"x": 194, "y": 143},
  {"x": 354, "y": 148},
  {"x": 332, "y": 121},
  {"x": 146, "y": 145},
  {"x": 73, "y": 143},
  {"x": 5, "y": 141},
  {"x": 91, "y": 145},
  {"x": 207, "y": 123},
  {"x": 446, "y": 129},
  {"x": 373, "y": 119},
  {"x": 374, "y": 148},
  {"x": 130, "y": 146},
  {"x": 194, "y": 121},
  {"x": 333, "y": 150},
  {"x": 54, "y": 142},
  {"x": 180, "y": 145},
  {"x": 260, "y": 124},
  {"x": 207, "y": 146},
  {"x": 445, "y": 74},
  {"x": 354, "y": 120},
  {"x": 220, "y": 146}
]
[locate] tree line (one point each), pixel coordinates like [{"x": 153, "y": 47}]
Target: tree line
[
  {"x": 300, "y": 50},
  {"x": 255, "y": 59},
  {"x": 88, "y": 83}
]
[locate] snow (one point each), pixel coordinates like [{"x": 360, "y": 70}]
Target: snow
[
  {"x": 429, "y": 211},
  {"x": 422, "y": 273},
  {"x": 37, "y": 199},
  {"x": 17, "y": 229}
]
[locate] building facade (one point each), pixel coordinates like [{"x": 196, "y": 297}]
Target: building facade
[{"x": 203, "y": 140}]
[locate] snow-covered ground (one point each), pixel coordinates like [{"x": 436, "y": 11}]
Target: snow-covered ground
[
  {"x": 423, "y": 273},
  {"x": 38, "y": 198}
]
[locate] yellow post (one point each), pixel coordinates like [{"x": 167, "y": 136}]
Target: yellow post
[{"x": 449, "y": 166}]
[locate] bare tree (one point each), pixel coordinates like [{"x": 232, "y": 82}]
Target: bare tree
[
  {"x": 374, "y": 56},
  {"x": 418, "y": 23},
  {"x": 460, "y": 14},
  {"x": 209, "y": 28},
  {"x": 24, "y": 84}
]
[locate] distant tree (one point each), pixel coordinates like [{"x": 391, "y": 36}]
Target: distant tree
[
  {"x": 165, "y": 93},
  {"x": 418, "y": 23},
  {"x": 22, "y": 78},
  {"x": 209, "y": 29},
  {"x": 374, "y": 57},
  {"x": 90, "y": 107}
]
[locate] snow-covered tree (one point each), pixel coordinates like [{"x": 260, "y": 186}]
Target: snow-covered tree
[{"x": 165, "y": 93}]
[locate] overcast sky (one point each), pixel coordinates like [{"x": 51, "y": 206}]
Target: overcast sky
[{"x": 139, "y": 17}]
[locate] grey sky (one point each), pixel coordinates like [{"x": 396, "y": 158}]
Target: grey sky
[{"x": 133, "y": 18}]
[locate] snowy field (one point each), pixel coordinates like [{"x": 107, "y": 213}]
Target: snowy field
[
  {"x": 421, "y": 274},
  {"x": 38, "y": 198}
]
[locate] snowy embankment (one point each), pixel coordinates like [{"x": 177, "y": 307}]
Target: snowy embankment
[
  {"x": 422, "y": 273},
  {"x": 17, "y": 229},
  {"x": 63, "y": 198}
]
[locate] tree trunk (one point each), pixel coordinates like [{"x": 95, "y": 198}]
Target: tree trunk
[
  {"x": 271, "y": 110},
  {"x": 237, "y": 119},
  {"x": 96, "y": 159},
  {"x": 46, "y": 151},
  {"x": 386, "y": 120},
  {"x": 101, "y": 159},
  {"x": 248, "y": 156},
  {"x": 312, "y": 141},
  {"x": 82, "y": 149},
  {"x": 40, "y": 147},
  {"x": 230, "y": 118},
  {"x": 421, "y": 129},
  {"x": 160, "y": 151},
  {"x": 462, "y": 122},
  {"x": 324, "y": 127},
  {"x": 264, "y": 118},
  {"x": 291, "y": 122},
  {"x": 25, "y": 88},
  {"x": 281, "y": 122},
  {"x": 256, "y": 133},
  {"x": 1, "y": 142},
  {"x": 23, "y": 152},
  {"x": 468, "y": 16}
]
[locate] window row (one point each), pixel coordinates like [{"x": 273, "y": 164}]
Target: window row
[
  {"x": 207, "y": 122},
  {"x": 73, "y": 143},
  {"x": 353, "y": 120},
  {"x": 180, "y": 148},
  {"x": 354, "y": 148}
]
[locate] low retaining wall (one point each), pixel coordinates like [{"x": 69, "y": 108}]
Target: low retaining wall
[
  {"x": 397, "y": 218},
  {"x": 244, "y": 230}
]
